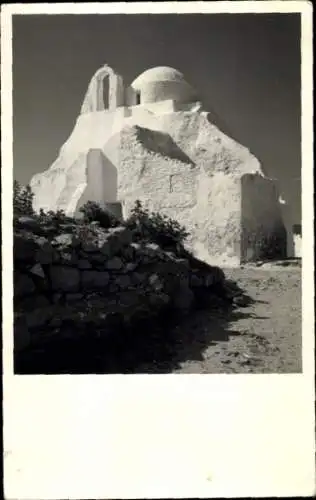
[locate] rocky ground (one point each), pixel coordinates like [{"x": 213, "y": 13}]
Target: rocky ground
[
  {"x": 259, "y": 333},
  {"x": 263, "y": 337}
]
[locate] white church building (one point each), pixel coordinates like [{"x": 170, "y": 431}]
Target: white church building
[{"x": 153, "y": 141}]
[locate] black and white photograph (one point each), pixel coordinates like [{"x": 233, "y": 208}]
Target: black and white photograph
[
  {"x": 158, "y": 250},
  {"x": 157, "y": 193}
]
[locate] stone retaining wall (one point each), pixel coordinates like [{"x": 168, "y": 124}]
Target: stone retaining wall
[{"x": 84, "y": 277}]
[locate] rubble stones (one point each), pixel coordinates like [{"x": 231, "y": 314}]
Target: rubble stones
[
  {"x": 24, "y": 247},
  {"x": 70, "y": 281},
  {"x": 159, "y": 300},
  {"x": 84, "y": 264},
  {"x": 97, "y": 258},
  {"x": 22, "y": 336},
  {"x": 138, "y": 278},
  {"x": 65, "y": 278},
  {"x": 114, "y": 264},
  {"x": 28, "y": 222},
  {"x": 38, "y": 270},
  {"x": 121, "y": 234},
  {"x": 129, "y": 254},
  {"x": 31, "y": 302},
  {"x": 23, "y": 284},
  {"x": 72, "y": 297},
  {"x": 130, "y": 266},
  {"x": 63, "y": 240},
  {"x": 45, "y": 254},
  {"x": 57, "y": 297},
  {"x": 123, "y": 281},
  {"x": 94, "y": 279},
  {"x": 39, "y": 317},
  {"x": 90, "y": 246}
]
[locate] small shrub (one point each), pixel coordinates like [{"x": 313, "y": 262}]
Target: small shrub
[
  {"x": 93, "y": 212},
  {"x": 160, "y": 229},
  {"x": 56, "y": 218},
  {"x": 56, "y": 223},
  {"x": 22, "y": 199}
]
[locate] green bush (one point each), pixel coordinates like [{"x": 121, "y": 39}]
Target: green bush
[
  {"x": 93, "y": 212},
  {"x": 55, "y": 223},
  {"x": 22, "y": 199},
  {"x": 56, "y": 218},
  {"x": 160, "y": 229},
  {"x": 147, "y": 226}
]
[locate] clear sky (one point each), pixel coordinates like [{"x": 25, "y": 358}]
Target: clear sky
[{"x": 246, "y": 68}]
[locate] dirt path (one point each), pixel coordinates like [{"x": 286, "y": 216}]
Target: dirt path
[{"x": 264, "y": 337}]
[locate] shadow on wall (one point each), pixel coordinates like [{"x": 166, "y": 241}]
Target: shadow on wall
[
  {"x": 162, "y": 144},
  {"x": 263, "y": 233},
  {"x": 102, "y": 181}
]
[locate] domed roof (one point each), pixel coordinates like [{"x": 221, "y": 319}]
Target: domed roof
[{"x": 158, "y": 74}]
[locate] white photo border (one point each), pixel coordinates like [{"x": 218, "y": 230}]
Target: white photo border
[{"x": 162, "y": 436}]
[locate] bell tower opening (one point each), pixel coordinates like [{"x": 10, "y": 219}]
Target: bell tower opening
[
  {"x": 106, "y": 92},
  {"x": 137, "y": 98}
]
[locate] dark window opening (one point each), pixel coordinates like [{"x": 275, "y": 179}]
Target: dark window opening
[
  {"x": 137, "y": 98},
  {"x": 170, "y": 184},
  {"x": 106, "y": 91}
]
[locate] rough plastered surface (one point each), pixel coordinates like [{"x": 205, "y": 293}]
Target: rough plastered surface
[{"x": 178, "y": 163}]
